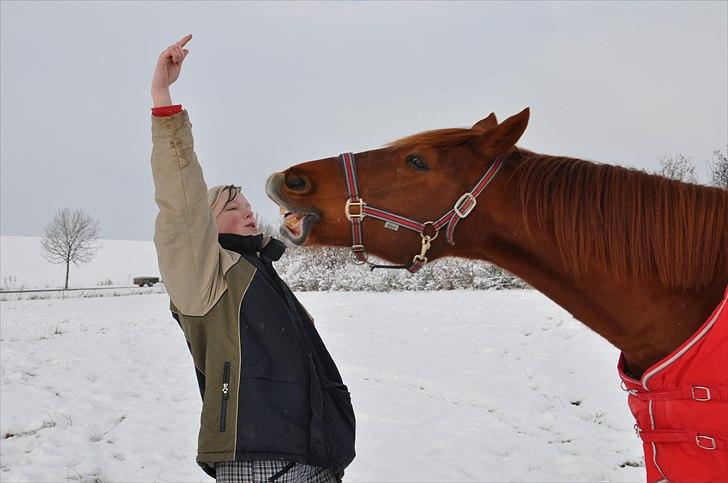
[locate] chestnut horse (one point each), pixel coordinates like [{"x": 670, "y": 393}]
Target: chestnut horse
[{"x": 640, "y": 259}]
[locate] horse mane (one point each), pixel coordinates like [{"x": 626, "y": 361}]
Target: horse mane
[{"x": 638, "y": 225}]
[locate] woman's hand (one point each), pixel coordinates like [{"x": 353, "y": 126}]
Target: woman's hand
[{"x": 169, "y": 66}]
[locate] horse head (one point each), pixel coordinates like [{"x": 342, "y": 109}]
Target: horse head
[{"x": 418, "y": 178}]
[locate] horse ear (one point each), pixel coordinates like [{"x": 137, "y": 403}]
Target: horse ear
[
  {"x": 502, "y": 137},
  {"x": 487, "y": 123}
]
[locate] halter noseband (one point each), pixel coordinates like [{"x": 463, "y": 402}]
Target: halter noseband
[{"x": 428, "y": 230}]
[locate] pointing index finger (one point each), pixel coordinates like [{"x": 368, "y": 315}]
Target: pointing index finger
[{"x": 181, "y": 42}]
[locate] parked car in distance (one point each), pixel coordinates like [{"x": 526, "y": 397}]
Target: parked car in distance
[{"x": 148, "y": 281}]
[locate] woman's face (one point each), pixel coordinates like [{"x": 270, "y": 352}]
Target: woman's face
[{"x": 234, "y": 217}]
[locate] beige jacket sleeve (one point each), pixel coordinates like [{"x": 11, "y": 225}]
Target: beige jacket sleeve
[{"x": 191, "y": 261}]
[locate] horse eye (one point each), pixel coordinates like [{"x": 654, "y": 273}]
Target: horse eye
[{"x": 417, "y": 162}]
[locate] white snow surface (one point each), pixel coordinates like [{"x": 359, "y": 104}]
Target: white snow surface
[{"x": 446, "y": 386}]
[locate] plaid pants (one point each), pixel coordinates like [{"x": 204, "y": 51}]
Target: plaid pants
[{"x": 271, "y": 470}]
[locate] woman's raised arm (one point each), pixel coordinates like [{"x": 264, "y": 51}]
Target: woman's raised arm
[{"x": 191, "y": 261}]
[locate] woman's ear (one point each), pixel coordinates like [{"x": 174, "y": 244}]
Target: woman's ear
[{"x": 502, "y": 137}]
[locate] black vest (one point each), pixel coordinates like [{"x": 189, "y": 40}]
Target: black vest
[{"x": 293, "y": 404}]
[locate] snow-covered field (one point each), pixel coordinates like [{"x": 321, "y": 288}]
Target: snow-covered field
[{"x": 447, "y": 386}]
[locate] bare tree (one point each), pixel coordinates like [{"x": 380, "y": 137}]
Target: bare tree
[
  {"x": 677, "y": 166},
  {"x": 719, "y": 169},
  {"x": 70, "y": 236}
]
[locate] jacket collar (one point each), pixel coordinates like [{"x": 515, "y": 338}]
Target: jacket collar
[{"x": 268, "y": 247}]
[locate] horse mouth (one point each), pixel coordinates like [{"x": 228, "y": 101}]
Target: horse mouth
[{"x": 297, "y": 225}]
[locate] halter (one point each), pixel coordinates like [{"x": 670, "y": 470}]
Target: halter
[{"x": 428, "y": 230}]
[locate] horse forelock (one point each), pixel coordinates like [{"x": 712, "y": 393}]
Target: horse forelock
[{"x": 438, "y": 138}]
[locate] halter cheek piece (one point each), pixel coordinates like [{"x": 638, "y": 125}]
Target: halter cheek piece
[{"x": 428, "y": 230}]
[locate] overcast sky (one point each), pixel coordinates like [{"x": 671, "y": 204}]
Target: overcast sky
[{"x": 269, "y": 85}]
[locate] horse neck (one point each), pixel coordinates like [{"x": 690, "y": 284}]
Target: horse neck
[{"x": 643, "y": 318}]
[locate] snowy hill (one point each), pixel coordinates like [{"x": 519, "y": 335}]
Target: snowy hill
[
  {"x": 22, "y": 266},
  {"x": 118, "y": 262}
]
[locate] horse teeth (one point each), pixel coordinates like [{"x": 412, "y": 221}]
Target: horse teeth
[{"x": 291, "y": 220}]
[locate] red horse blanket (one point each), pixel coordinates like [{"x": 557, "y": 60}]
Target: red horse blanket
[{"x": 681, "y": 407}]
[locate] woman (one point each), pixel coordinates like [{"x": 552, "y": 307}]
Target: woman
[{"x": 274, "y": 406}]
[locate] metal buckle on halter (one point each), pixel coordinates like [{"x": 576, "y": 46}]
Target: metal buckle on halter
[
  {"x": 462, "y": 200},
  {"x": 700, "y": 397},
  {"x": 425, "y": 225},
  {"x": 699, "y": 438},
  {"x": 361, "y": 249},
  {"x": 349, "y": 214}
]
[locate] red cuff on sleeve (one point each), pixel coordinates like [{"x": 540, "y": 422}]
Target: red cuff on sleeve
[{"x": 164, "y": 111}]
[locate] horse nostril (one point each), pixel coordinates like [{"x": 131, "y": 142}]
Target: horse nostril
[{"x": 296, "y": 182}]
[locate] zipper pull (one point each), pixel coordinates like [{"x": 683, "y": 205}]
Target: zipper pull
[{"x": 225, "y": 381}]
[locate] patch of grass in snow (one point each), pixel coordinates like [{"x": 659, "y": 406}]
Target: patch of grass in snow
[
  {"x": 11, "y": 283},
  {"x": 43, "y": 425},
  {"x": 633, "y": 464},
  {"x": 96, "y": 476},
  {"x": 96, "y": 436},
  {"x": 560, "y": 441}
]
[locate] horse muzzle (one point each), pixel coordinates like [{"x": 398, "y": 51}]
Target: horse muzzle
[{"x": 297, "y": 221}]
